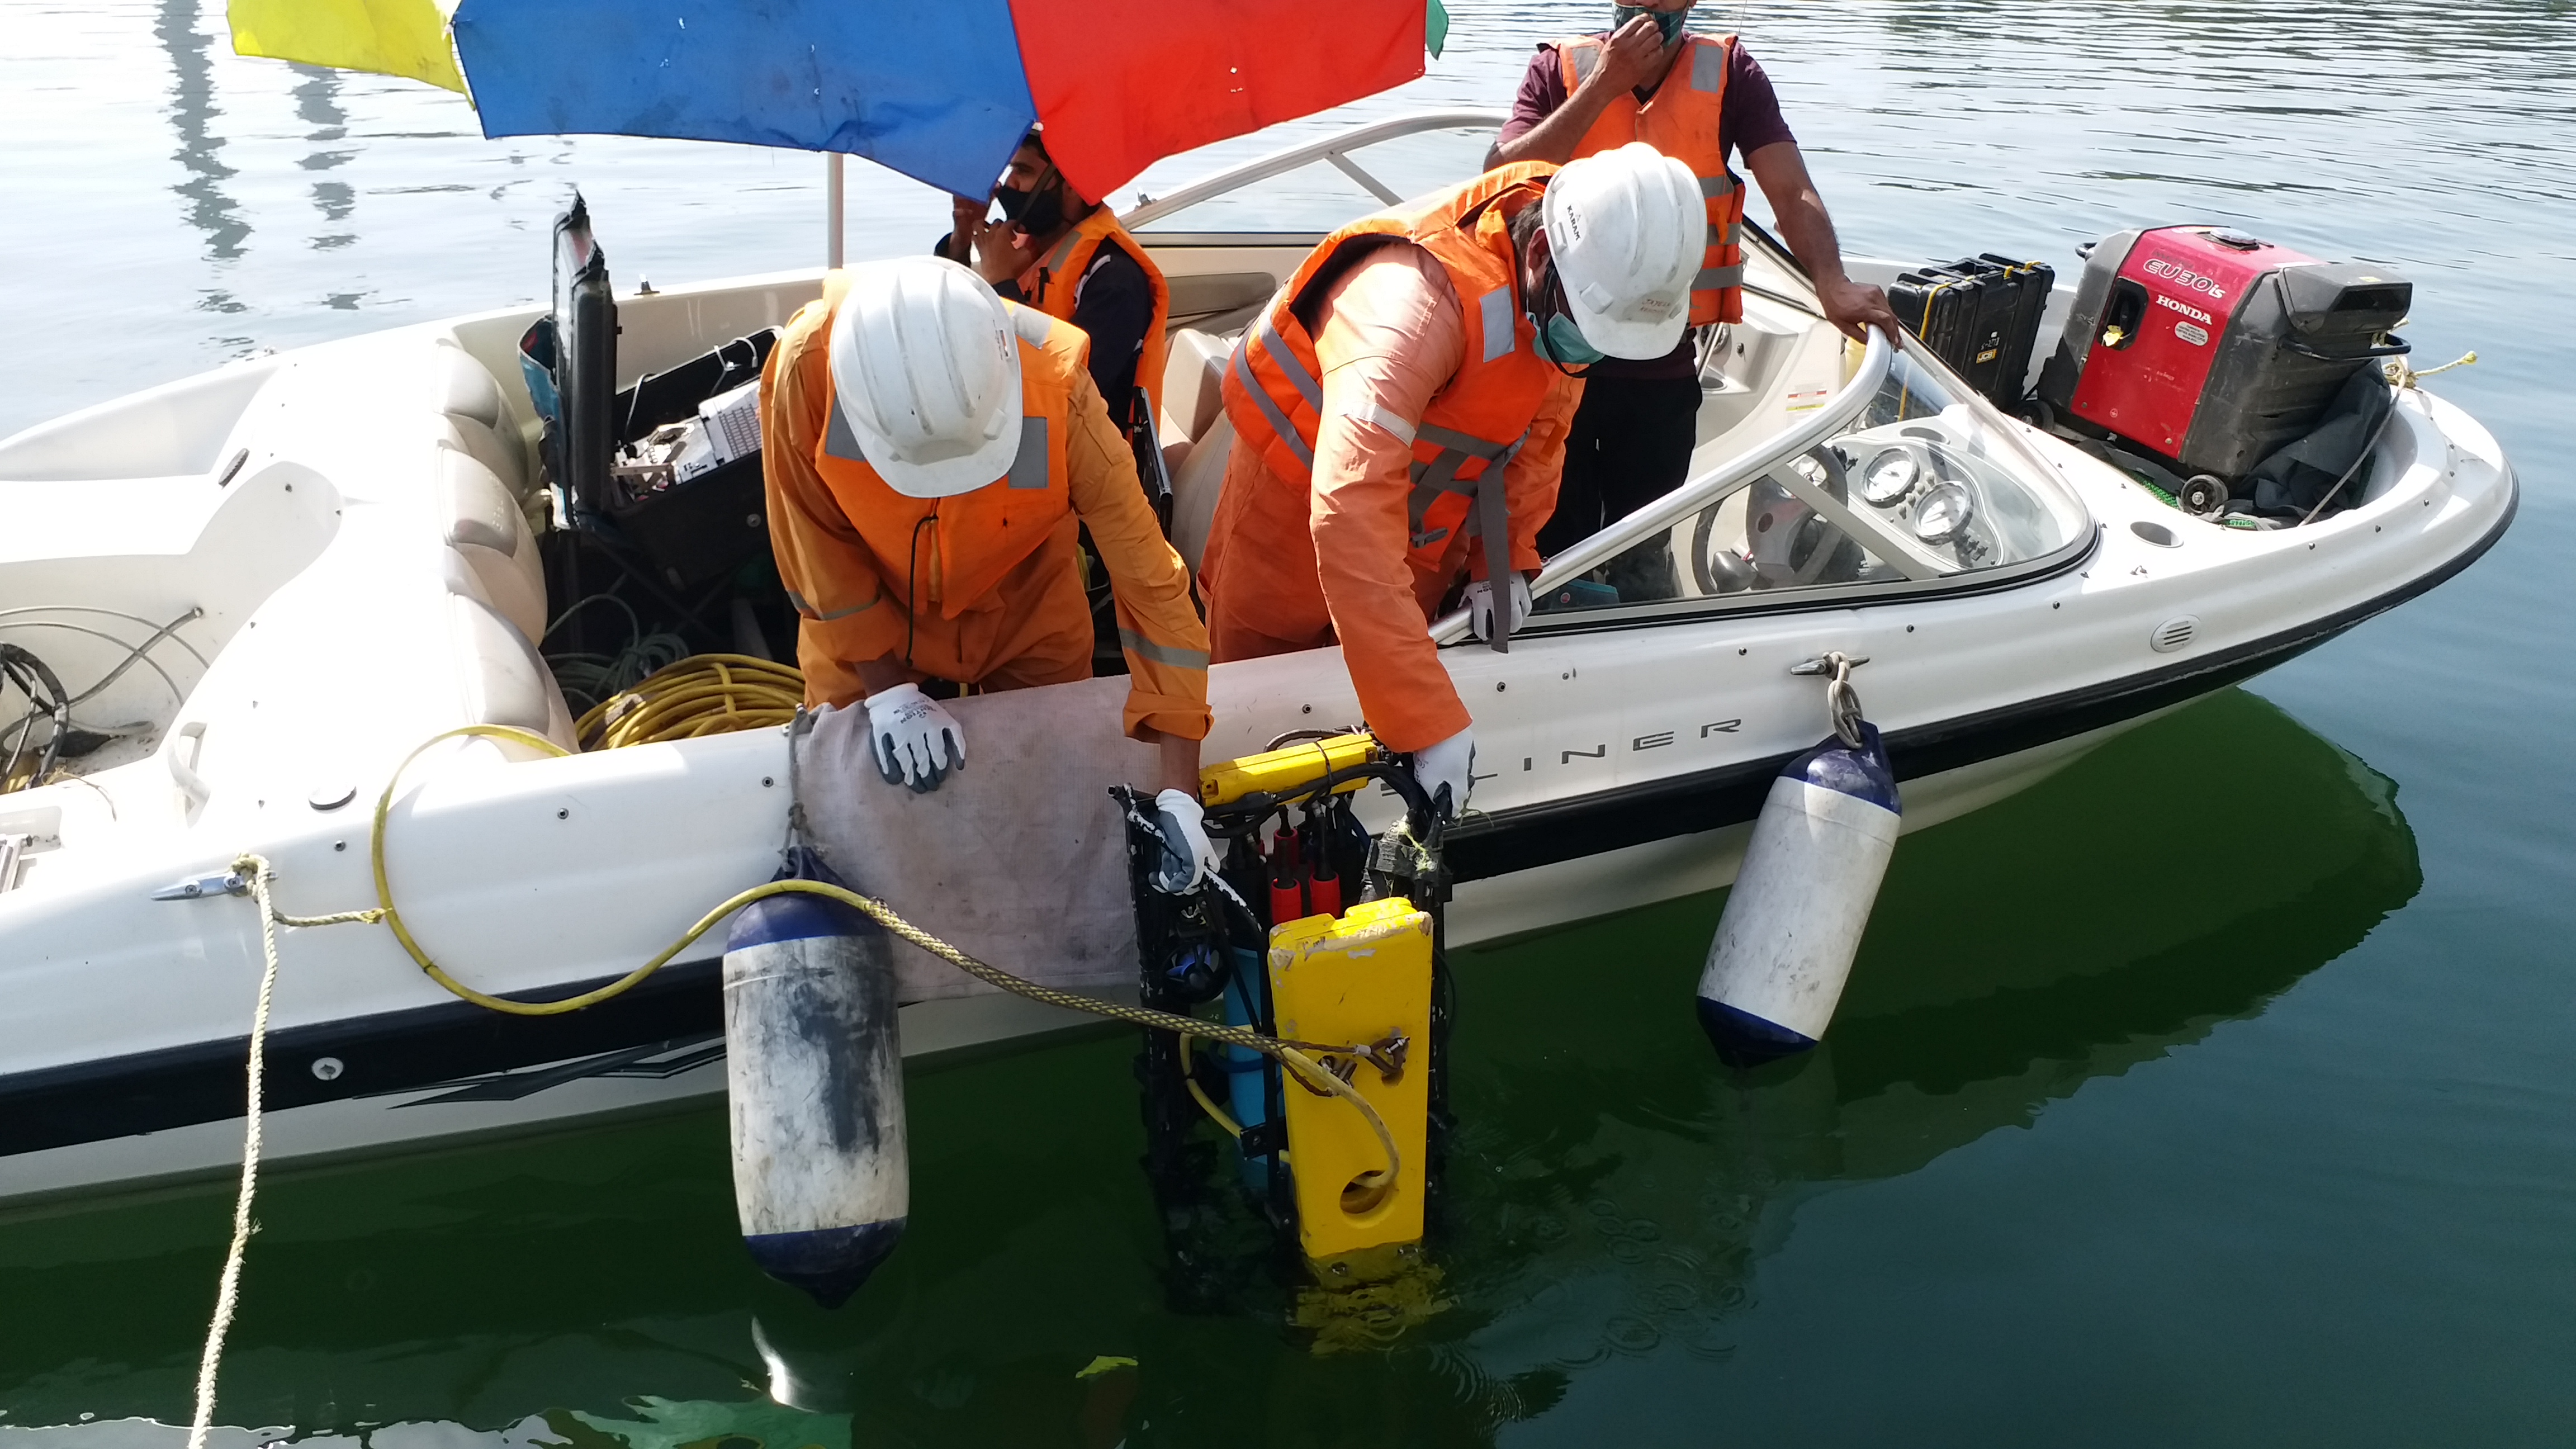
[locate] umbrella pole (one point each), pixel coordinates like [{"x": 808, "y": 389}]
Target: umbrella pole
[{"x": 832, "y": 209}]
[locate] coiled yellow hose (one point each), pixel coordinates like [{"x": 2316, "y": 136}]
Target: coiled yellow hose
[{"x": 704, "y": 694}]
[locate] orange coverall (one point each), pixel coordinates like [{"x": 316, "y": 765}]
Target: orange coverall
[
  {"x": 1288, "y": 568},
  {"x": 1034, "y": 627}
]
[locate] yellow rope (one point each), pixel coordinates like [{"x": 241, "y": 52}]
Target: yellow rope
[{"x": 1290, "y": 1054}]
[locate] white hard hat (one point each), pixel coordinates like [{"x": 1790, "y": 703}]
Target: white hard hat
[
  {"x": 927, "y": 370},
  {"x": 1628, "y": 229}
]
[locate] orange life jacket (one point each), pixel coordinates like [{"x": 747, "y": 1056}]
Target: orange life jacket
[
  {"x": 957, "y": 549},
  {"x": 1684, "y": 121},
  {"x": 1059, "y": 275},
  {"x": 1474, "y": 423}
]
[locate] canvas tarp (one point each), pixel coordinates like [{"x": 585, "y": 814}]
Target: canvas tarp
[{"x": 1020, "y": 859}]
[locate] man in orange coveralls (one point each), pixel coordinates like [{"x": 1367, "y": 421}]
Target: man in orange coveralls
[
  {"x": 1400, "y": 417},
  {"x": 930, "y": 453}
]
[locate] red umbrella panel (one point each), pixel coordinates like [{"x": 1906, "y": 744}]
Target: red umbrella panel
[{"x": 1121, "y": 84}]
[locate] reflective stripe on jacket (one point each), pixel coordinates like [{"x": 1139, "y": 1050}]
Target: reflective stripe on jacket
[
  {"x": 982, "y": 587},
  {"x": 956, "y": 549},
  {"x": 1474, "y": 424},
  {"x": 1684, "y": 120},
  {"x": 1059, "y": 275}
]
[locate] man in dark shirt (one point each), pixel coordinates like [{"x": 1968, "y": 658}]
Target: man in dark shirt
[
  {"x": 1112, "y": 300},
  {"x": 1631, "y": 440}
]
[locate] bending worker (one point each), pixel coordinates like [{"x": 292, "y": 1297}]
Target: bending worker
[
  {"x": 1693, "y": 97},
  {"x": 930, "y": 451},
  {"x": 1400, "y": 417},
  {"x": 1070, "y": 259}
]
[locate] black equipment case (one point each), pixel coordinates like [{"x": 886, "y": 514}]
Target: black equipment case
[
  {"x": 717, "y": 522},
  {"x": 1981, "y": 314},
  {"x": 686, "y": 533}
]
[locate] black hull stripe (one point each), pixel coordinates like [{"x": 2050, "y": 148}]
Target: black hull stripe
[
  {"x": 426, "y": 1047},
  {"x": 389, "y": 1052},
  {"x": 1563, "y": 830},
  {"x": 1570, "y": 829}
]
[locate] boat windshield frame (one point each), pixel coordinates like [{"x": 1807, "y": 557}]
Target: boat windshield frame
[{"x": 1772, "y": 453}]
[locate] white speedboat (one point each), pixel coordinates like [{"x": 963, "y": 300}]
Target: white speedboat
[{"x": 260, "y": 588}]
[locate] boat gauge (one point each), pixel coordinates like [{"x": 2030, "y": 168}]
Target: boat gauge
[
  {"x": 1889, "y": 477},
  {"x": 1942, "y": 511}
]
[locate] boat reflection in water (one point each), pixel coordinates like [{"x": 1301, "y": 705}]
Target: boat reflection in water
[{"x": 1609, "y": 1188}]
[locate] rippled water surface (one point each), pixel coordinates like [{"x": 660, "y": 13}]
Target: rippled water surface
[{"x": 2221, "y": 1090}]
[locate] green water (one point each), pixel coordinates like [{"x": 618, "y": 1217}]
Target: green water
[
  {"x": 1997, "y": 1187},
  {"x": 2220, "y": 1090}
]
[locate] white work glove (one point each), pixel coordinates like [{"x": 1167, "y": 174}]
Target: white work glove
[
  {"x": 917, "y": 741},
  {"x": 1480, "y": 607},
  {"x": 1447, "y": 766},
  {"x": 1188, "y": 856}
]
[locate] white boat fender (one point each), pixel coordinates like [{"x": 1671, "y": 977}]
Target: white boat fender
[
  {"x": 1793, "y": 923},
  {"x": 814, "y": 1068}
]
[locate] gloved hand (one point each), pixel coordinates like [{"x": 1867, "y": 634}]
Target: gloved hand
[
  {"x": 1188, "y": 856},
  {"x": 1444, "y": 771},
  {"x": 1480, "y": 606},
  {"x": 917, "y": 741}
]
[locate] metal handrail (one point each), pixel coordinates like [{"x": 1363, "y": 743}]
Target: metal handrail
[
  {"x": 1708, "y": 487},
  {"x": 1332, "y": 149}
]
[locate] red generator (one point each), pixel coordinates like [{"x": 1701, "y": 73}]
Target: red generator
[{"x": 2209, "y": 349}]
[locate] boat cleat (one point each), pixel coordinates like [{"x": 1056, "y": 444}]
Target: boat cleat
[{"x": 226, "y": 883}]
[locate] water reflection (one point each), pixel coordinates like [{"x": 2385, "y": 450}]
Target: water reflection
[
  {"x": 2180, "y": 879},
  {"x": 1609, "y": 1195},
  {"x": 192, "y": 113},
  {"x": 317, "y": 104}
]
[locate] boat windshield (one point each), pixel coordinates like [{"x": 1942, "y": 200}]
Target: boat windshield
[
  {"x": 1339, "y": 172},
  {"x": 1922, "y": 485}
]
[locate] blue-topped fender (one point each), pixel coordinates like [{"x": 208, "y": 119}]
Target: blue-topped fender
[
  {"x": 1793, "y": 923},
  {"x": 814, "y": 1070}
]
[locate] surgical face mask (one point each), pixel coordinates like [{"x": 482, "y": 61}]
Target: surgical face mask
[
  {"x": 1670, "y": 22},
  {"x": 1561, "y": 340}
]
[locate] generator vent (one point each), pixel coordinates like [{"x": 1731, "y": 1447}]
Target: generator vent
[{"x": 2172, "y": 634}]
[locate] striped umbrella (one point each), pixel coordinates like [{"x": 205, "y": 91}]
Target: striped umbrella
[{"x": 940, "y": 90}]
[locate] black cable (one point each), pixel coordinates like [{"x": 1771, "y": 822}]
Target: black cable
[
  {"x": 643, "y": 577},
  {"x": 1235, "y": 816},
  {"x": 26, "y": 671}
]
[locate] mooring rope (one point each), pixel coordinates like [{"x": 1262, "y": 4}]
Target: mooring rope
[{"x": 254, "y": 870}]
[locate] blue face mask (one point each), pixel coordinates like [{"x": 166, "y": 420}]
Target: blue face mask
[
  {"x": 1562, "y": 341},
  {"x": 1670, "y": 22}
]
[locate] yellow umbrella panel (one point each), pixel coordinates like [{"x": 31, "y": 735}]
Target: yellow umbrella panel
[{"x": 389, "y": 37}]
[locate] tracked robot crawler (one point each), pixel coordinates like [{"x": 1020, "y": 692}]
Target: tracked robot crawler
[{"x": 1314, "y": 929}]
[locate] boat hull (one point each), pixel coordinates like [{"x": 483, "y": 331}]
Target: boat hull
[
  {"x": 1623, "y": 754},
  {"x": 473, "y": 1085}
]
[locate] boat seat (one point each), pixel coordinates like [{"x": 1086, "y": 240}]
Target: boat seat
[
  {"x": 484, "y": 446},
  {"x": 1196, "y": 483},
  {"x": 463, "y": 386},
  {"x": 1193, "y": 382},
  {"x": 486, "y": 529},
  {"x": 504, "y": 681}
]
